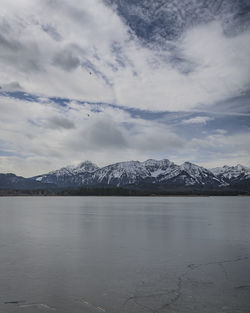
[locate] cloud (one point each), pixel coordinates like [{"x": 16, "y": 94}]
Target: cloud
[
  {"x": 106, "y": 133},
  {"x": 86, "y": 53},
  {"x": 12, "y": 86},
  {"x": 60, "y": 122},
  {"x": 66, "y": 60},
  {"x": 52, "y": 48},
  {"x": 197, "y": 120},
  {"x": 221, "y": 131},
  {"x": 161, "y": 22},
  {"x": 68, "y": 134},
  {"x": 226, "y": 143},
  {"x": 51, "y": 136},
  {"x": 220, "y": 149},
  {"x": 99, "y": 133}
]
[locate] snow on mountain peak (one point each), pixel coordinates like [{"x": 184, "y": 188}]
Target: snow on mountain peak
[
  {"x": 232, "y": 172},
  {"x": 152, "y": 162},
  {"x": 192, "y": 168},
  {"x": 86, "y": 166},
  {"x": 147, "y": 172}
]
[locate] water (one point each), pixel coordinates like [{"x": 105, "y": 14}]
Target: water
[{"x": 117, "y": 255}]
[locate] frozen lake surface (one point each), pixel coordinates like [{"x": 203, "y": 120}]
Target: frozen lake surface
[{"x": 117, "y": 254}]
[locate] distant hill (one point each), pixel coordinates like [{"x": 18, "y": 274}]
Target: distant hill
[{"x": 11, "y": 181}]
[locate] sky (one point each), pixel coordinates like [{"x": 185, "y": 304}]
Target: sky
[{"x": 118, "y": 80}]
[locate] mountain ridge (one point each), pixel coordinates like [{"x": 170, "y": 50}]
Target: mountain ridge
[
  {"x": 150, "y": 174},
  {"x": 163, "y": 172}
]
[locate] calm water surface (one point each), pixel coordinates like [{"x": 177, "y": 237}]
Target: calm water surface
[{"x": 117, "y": 255}]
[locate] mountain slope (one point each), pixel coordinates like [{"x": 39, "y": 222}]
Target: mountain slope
[
  {"x": 11, "y": 181},
  {"x": 236, "y": 176},
  {"x": 189, "y": 174},
  {"x": 151, "y": 175},
  {"x": 70, "y": 175},
  {"x": 231, "y": 173},
  {"x": 162, "y": 172}
]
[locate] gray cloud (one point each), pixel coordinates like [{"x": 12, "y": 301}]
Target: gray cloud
[
  {"x": 51, "y": 31},
  {"x": 238, "y": 105},
  {"x": 98, "y": 135},
  {"x": 105, "y": 133},
  {"x": 156, "y": 137},
  {"x": 49, "y": 47},
  {"x": 64, "y": 135},
  {"x": 8, "y": 45},
  {"x": 23, "y": 56},
  {"x": 78, "y": 14},
  {"x": 60, "y": 122},
  {"x": 66, "y": 59},
  {"x": 126, "y": 72},
  {"x": 12, "y": 86}
]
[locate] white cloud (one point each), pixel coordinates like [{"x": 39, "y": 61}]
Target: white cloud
[
  {"x": 220, "y": 149},
  {"x": 40, "y": 136},
  {"x": 197, "y": 120},
  {"x": 237, "y": 142},
  {"x": 221, "y": 131},
  {"x": 83, "y": 50},
  {"x": 50, "y": 136},
  {"x": 51, "y": 48}
]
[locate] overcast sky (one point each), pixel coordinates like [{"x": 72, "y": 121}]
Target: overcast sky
[{"x": 111, "y": 81}]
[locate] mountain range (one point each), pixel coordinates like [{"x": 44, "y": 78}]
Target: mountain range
[{"x": 149, "y": 175}]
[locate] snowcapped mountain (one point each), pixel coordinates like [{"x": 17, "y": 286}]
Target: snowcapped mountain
[
  {"x": 162, "y": 172},
  {"x": 151, "y": 174},
  {"x": 119, "y": 174},
  {"x": 232, "y": 174},
  {"x": 190, "y": 174},
  {"x": 69, "y": 175},
  {"x": 132, "y": 172}
]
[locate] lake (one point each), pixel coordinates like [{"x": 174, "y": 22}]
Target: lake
[{"x": 125, "y": 254}]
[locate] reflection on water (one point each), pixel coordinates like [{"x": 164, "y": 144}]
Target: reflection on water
[{"x": 115, "y": 254}]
